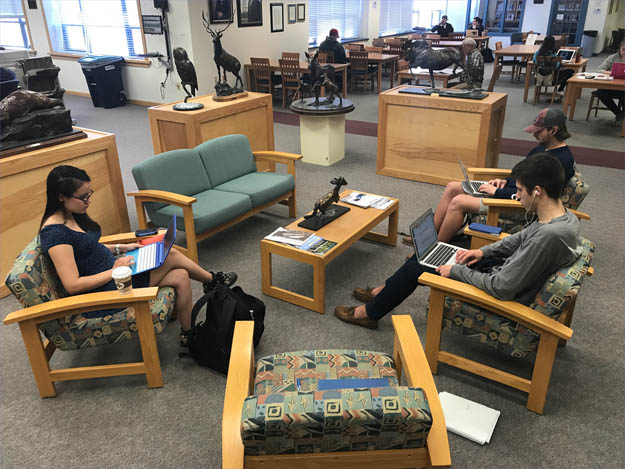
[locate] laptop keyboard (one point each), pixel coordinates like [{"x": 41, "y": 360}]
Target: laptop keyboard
[
  {"x": 440, "y": 255},
  {"x": 475, "y": 185},
  {"x": 146, "y": 257}
]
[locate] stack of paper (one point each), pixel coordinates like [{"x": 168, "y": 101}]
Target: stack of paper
[
  {"x": 364, "y": 200},
  {"x": 467, "y": 418}
]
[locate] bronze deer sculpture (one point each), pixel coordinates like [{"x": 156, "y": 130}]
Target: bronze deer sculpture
[{"x": 223, "y": 60}]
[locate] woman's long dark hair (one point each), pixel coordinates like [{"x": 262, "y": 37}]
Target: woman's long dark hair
[
  {"x": 64, "y": 180},
  {"x": 548, "y": 46}
]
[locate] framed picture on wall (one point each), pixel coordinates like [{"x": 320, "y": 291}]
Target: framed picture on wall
[
  {"x": 220, "y": 11},
  {"x": 301, "y": 12},
  {"x": 291, "y": 12},
  {"x": 249, "y": 13},
  {"x": 277, "y": 17}
]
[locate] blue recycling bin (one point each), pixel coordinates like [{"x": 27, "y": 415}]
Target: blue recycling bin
[{"x": 104, "y": 79}]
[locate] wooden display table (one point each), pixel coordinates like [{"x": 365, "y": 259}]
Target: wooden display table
[
  {"x": 251, "y": 116},
  {"x": 345, "y": 231},
  {"x": 420, "y": 137},
  {"x": 23, "y": 191}
]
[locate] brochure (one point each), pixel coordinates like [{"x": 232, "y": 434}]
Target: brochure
[
  {"x": 317, "y": 245},
  {"x": 364, "y": 200},
  {"x": 467, "y": 418},
  {"x": 292, "y": 237}
]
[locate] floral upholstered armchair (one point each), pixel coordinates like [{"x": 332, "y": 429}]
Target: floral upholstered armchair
[{"x": 48, "y": 310}]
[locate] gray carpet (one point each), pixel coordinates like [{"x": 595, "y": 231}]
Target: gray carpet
[{"x": 119, "y": 422}]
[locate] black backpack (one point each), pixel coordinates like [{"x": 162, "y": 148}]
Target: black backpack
[
  {"x": 210, "y": 341},
  {"x": 487, "y": 54}
]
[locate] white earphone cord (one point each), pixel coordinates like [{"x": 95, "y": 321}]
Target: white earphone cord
[{"x": 527, "y": 211}]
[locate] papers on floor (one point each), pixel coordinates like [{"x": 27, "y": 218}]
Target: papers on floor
[
  {"x": 292, "y": 237},
  {"x": 364, "y": 200},
  {"x": 316, "y": 245},
  {"x": 467, "y": 418}
]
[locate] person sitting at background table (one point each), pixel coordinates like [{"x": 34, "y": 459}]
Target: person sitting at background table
[
  {"x": 84, "y": 265},
  {"x": 549, "y": 129},
  {"x": 331, "y": 44},
  {"x": 443, "y": 28},
  {"x": 477, "y": 24},
  {"x": 608, "y": 97},
  {"x": 514, "y": 268},
  {"x": 474, "y": 63},
  {"x": 544, "y": 74}
]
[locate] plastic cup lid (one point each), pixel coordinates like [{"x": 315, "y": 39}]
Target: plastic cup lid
[{"x": 121, "y": 272}]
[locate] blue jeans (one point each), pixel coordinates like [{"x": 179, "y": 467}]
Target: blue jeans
[{"x": 397, "y": 288}]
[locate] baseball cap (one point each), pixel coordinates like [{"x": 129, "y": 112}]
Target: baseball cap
[
  {"x": 547, "y": 118},
  {"x": 444, "y": 17},
  {"x": 334, "y": 32}
]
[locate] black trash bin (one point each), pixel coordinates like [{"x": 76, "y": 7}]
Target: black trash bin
[
  {"x": 104, "y": 79},
  {"x": 588, "y": 42}
]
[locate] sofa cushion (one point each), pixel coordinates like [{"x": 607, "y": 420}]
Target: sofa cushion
[
  {"x": 226, "y": 158},
  {"x": 281, "y": 372},
  {"x": 178, "y": 171},
  {"x": 261, "y": 187},
  {"x": 212, "y": 209}
]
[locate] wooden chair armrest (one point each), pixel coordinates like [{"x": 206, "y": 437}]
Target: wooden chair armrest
[
  {"x": 80, "y": 303},
  {"x": 126, "y": 237},
  {"x": 492, "y": 238},
  {"x": 507, "y": 204},
  {"x": 276, "y": 156},
  {"x": 578, "y": 214},
  {"x": 238, "y": 387},
  {"x": 488, "y": 173},
  {"x": 410, "y": 358},
  {"x": 163, "y": 197},
  {"x": 510, "y": 309}
]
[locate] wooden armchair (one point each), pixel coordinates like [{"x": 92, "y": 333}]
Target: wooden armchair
[
  {"x": 509, "y": 327},
  {"x": 408, "y": 357},
  {"x": 49, "y": 310}
]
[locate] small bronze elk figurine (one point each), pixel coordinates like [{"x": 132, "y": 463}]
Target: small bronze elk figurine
[
  {"x": 324, "y": 202},
  {"x": 223, "y": 60}
]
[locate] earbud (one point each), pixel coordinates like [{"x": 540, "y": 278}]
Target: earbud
[{"x": 535, "y": 193}]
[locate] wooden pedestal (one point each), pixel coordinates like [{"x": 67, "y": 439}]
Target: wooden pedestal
[
  {"x": 421, "y": 137},
  {"x": 23, "y": 191},
  {"x": 322, "y": 139}
]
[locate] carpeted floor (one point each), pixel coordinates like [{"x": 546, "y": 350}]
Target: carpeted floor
[{"x": 119, "y": 422}]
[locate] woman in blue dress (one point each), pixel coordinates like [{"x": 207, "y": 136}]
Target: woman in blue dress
[{"x": 84, "y": 265}]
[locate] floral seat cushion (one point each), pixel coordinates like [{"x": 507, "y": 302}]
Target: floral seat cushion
[
  {"x": 33, "y": 281},
  {"x": 506, "y": 335}
]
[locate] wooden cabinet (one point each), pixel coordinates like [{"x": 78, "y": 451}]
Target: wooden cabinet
[
  {"x": 421, "y": 137},
  {"x": 23, "y": 191}
]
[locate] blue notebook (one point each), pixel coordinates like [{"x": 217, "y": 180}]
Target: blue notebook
[{"x": 329, "y": 384}]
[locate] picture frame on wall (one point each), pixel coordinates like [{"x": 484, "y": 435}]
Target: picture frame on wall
[
  {"x": 277, "y": 17},
  {"x": 292, "y": 13},
  {"x": 220, "y": 11},
  {"x": 249, "y": 13},
  {"x": 301, "y": 12}
]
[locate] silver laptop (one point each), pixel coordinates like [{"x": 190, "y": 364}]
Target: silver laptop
[
  {"x": 152, "y": 256},
  {"x": 471, "y": 187},
  {"x": 429, "y": 251},
  {"x": 568, "y": 55}
]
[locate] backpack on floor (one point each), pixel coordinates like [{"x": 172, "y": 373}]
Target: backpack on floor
[
  {"x": 487, "y": 54},
  {"x": 210, "y": 341}
]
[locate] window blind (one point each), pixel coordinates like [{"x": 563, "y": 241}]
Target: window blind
[
  {"x": 99, "y": 27},
  {"x": 13, "y": 24},
  {"x": 395, "y": 16},
  {"x": 323, "y": 15}
]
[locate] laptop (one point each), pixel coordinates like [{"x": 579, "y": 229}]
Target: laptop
[
  {"x": 152, "y": 256},
  {"x": 568, "y": 55},
  {"x": 429, "y": 251},
  {"x": 471, "y": 187},
  {"x": 618, "y": 70}
]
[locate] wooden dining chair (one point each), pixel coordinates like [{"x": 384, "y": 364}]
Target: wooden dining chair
[
  {"x": 290, "y": 55},
  {"x": 356, "y": 47},
  {"x": 360, "y": 69},
  {"x": 378, "y": 42},
  {"x": 264, "y": 79},
  {"x": 290, "y": 73},
  {"x": 514, "y": 63},
  {"x": 374, "y": 49},
  {"x": 541, "y": 87}
]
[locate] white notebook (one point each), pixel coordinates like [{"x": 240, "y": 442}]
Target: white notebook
[{"x": 467, "y": 418}]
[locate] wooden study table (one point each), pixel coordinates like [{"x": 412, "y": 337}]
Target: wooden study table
[
  {"x": 575, "y": 66},
  {"x": 379, "y": 60},
  {"x": 423, "y": 74},
  {"x": 274, "y": 65},
  {"x": 525, "y": 52},
  {"x": 345, "y": 231}
]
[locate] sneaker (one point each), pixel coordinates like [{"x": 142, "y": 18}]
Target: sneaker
[
  {"x": 221, "y": 278},
  {"x": 184, "y": 337},
  {"x": 346, "y": 314}
]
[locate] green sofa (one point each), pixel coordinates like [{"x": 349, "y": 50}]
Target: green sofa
[{"x": 212, "y": 187}]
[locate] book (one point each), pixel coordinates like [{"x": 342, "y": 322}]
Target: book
[
  {"x": 292, "y": 237},
  {"x": 467, "y": 418},
  {"x": 364, "y": 200},
  {"x": 317, "y": 245},
  {"x": 351, "y": 383}
]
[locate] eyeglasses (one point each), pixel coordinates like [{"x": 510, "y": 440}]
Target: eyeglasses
[{"x": 83, "y": 198}]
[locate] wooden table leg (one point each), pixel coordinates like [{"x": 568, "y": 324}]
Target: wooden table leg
[
  {"x": 379, "y": 77},
  {"x": 493, "y": 79},
  {"x": 393, "y": 63},
  {"x": 391, "y": 237},
  {"x": 577, "y": 92},
  {"x": 528, "y": 72},
  {"x": 249, "y": 77},
  {"x": 345, "y": 82},
  {"x": 567, "y": 98},
  {"x": 319, "y": 286}
]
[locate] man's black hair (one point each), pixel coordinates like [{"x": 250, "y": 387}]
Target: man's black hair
[{"x": 543, "y": 170}]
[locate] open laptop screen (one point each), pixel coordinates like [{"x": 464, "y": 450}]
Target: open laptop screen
[
  {"x": 566, "y": 54},
  {"x": 424, "y": 234},
  {"x": 170, "y": 236}
]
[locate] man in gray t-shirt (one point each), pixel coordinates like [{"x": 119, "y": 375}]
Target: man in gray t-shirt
[{"x": 524, "y": 261}]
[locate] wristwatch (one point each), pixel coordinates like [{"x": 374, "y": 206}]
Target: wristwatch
[{"x": 117, "y": 252}]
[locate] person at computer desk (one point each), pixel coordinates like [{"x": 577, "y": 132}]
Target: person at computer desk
[
  {"x": 544, "y": 74},
  {"x": 84, "y": 265},
  {"x": 477, "y": 24},
  {"x": 514, "y": 268},
  {"x": 610, "y": 97},
  {"x": 443, "y": 28},
  {"x": 549, "y": 130}
]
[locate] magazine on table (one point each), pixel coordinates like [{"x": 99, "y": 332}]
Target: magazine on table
[
  {"x": 364, "y": 200},
  {"x": 292, "y": 237},
  {"x": 317, "y": 245}
]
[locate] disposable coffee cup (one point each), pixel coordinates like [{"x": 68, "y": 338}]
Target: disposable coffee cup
[{"x": 123, "y": 279}]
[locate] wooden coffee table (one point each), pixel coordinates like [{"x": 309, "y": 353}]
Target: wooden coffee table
[{"x": 345, "y": 231}]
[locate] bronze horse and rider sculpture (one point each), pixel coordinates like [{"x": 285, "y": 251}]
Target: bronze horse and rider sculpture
[{"x": 320, "y": 76}]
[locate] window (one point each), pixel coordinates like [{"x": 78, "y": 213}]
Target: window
[
  {"x": 13, "y": 28},
  {"x": 427, "y": 13},
  {"x": 504, "y": 15},
  {"x": 395, "y": 16},
  {"x": 101, "y": 27},
  {"x": 323, "y": 15}
]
